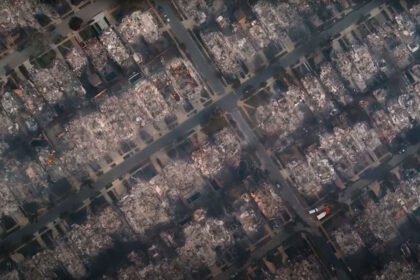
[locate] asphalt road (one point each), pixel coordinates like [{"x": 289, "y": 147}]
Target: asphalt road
[{"x": 227, "y": 101}]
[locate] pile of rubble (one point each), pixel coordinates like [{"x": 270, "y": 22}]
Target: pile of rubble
[
  {"x": 164, "y": 270},
  {"x": 117, "y": 119},
  {"x": 304, "y": 178},
  {"x": 222, "y": 51},
  {"x": 407, "y": 194},
  {"x": 258, "y": 35},
  {"x": 97, "y": 54},
  {"x": 364, "y": 137},
  {"x": 152, "y": 99},
  {"x": 399, "y": 114},
  {"x": 317, "y": 99},
  {"x": 398, "y": 270},
  {"x": 147, "y": 205},
  {"x": 242, "y": 45},
  {"x": 381, "y": 218},
  {"x": 77, "y": 60},
  {"x": 55, "y": 83},
  {"x": 110, "y": 221},
  {"x": 385, "y": 126},
  {"x": 139, "y": 24},
  {"x": 249, "y": 217},
  {"x": 211, "y": 158},
  {"x": 70, "y": 260},
  {"x": 410, "y": 100},
  {"x": 321, "y": 167},
  {"x": 280, "y": 20},
  {"x": 307, "y": 268},
  {"x": 196, "y": 10},
  {"x": 184, "y": 79},
  {"x": 36, "y": 104},
  {"x": 183, "y": 176},
  {"x": 41, "y": 266},
  {"x": 268, "y": 201},
  {"x": 334, "y": 84},
  {"x": 10, "y": 275},
  {"x": 88, "y": 138},
  {"x": 116, "y": 49},
  {"x": 279, "y": 117},
  {"x": 51, "y": 165},
  {"x": 344, "y": 147},
  {"x": 347, "y": 239},
  {"x": 47, "y": 86},
  {"x": 9, "y": 203},
  {"x": 132, "y": 103},
  {"x": 89, "y": 238},
  {"x": 201, "y": 240},
  {"x": 357, "y": 66}
]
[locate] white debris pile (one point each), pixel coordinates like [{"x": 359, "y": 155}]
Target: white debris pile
[
  {"x": 249, "y": 217},
  {"x": 308, "y": 268},
  {"x": 140, "y": 24},
  {"x": 20, "y": 13},
  {"x": 317, "y": 99},
  {"x": 35, "y": 104},
  {"x": 56, "y": 83},
  {"x": 411, "y": 102},
  {"x": 46, "y": 83},
  {"x": 385, "y": 126},
  {"x": 116, "y": 49},
  {"x": 321, "y": 167},
  {"x": 184, "y": 79},
  {"x": 196, "y": 10},
  {"x": 381, "y": 219},
  {"x": 10, "y": 275},
  {"x": 211, "y": 158},
  {"x": 347, "y": 239},
  {"x": 40, "y": 266},
  {"x": 365, "y": 137},
  {"x": 340, "y": 148},
  {"x": 152, "y": 99},
  {"x": 109, "y": 220},
  {"x": 183, "y": 176},
  {"x": 10, "y": 104},
  {"x": 147, "y": 204},
  {"x": 50, "y": 163},
  {"x": 407, "y": 194},
  {"x": 72, "y": 262},
  {"x": 357, "y": 66},
  {"x": 97, "y": 54},
  {"x": 241, "y": 45},
  {"x": 334, "y": 84},
  {"x": 280, "y": 20},
  {"x": 164, "y": 85},
  {"x": 118, "y": 121},
  {"x": 201, "y": 240},
  {"x": 163, "y": 270},
  {"x": 406, "y": 24},
  {"x": 222, "y": 51},
  {"x": 77, "y": 60},
  {"x": 304, "y": 178},
  {"x": 15, "y": 175},
  {"x": 132, "y": 103},
  {"x": 279, "y": 117},
  {"x": 398, "y": 270},
  {"x": 268, "y": 201},
  {"x": 9, "y": 203},
  {"x": 399, "y": 114},
  {"x": 258, "y": 35},
  {"x": 89, "y": 238},
  {"x": 88, "y": 138}
]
